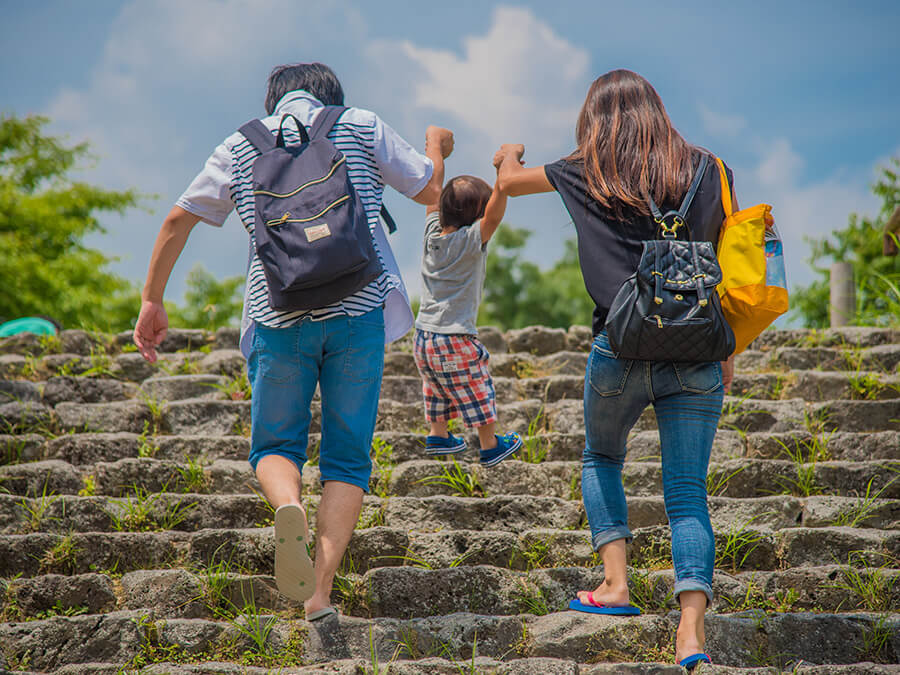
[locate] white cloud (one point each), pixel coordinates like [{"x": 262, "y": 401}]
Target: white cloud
[
  {"x": 720, "y": 124},
  {"x": 518, "y": 82}
]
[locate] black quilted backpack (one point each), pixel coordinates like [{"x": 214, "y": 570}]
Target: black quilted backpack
[{"x": 669, "y": 310}]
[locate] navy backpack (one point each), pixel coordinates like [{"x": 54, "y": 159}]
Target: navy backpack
[{"x": 312, "y": 233}]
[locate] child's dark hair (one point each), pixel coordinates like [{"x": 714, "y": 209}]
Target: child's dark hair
[{"x": 463, "y": 200}]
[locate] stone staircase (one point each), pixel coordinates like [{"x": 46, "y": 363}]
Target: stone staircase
[{"x": 133, "y": 536}]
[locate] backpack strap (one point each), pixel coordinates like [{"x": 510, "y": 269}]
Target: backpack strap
[
  {"x": 323, "y": 123},
  {"x": 258, "y": 135},
  {"x": 685, "y": 203},
  {"x": 727, "y": 206}
]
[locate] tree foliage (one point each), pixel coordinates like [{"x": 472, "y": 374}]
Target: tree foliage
[
  {"x": 860, "y": 243},
  {"x": 45, "y": 267},
  {"x": 518, "y": 293}
]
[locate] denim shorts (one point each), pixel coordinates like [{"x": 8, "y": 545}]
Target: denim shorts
[{"x": 344, "y": 356}]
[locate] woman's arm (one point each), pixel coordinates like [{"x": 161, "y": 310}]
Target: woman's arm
[{"x": 514, "y": 179}]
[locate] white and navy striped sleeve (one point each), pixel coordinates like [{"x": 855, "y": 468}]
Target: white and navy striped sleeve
[
  {"x": 402, "y": 166},
  {"x": 209, "y": 194}
]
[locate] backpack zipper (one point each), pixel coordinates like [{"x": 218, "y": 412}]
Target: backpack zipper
[
  {"x": 304, "y": 186},
  {"x": 286, "y": 218}
]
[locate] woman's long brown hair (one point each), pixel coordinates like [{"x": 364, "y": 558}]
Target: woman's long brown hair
[{"x": 629, "y": 147}]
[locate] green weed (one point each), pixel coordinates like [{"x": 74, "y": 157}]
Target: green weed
[
  {"x": 89, "y": 486},
  {"x": 717, "y": 481},
  {"x": 530, "y": 599},
  {"x": 535, "y": 445},
  {"x": 145, "y": 447},
  {"x": 735, "y": 548},
  {"x": 871, "y": 586},
  {"x": 462, "y": 482},
  {"x": 61, "y": 557},
  {"x": 236, "y": 388},
  {"x": 145, "y": 511},
  {"x": 862, "y": 510},
  {"x": 643, "y": 587},
  {"x": 877, "y": 640},
  {"x": 36, "y": 510},
  {"x": 383, "y": 466},
  {"x": 193, "y": 477}
]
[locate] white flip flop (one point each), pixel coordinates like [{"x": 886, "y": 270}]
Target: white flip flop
[
  {"x": 320, "y": 614},
  {"x": 294, "y": 573}
]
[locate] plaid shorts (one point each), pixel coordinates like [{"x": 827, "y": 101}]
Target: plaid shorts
[{"x": 455, "y": 378}]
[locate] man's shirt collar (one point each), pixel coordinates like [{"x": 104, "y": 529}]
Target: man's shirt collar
[{"x": 297, "y": 99}]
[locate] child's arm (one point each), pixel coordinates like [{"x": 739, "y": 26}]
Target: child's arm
[
  {"x": 493, "y": 213},
  {"x": 438, "y": 146}
]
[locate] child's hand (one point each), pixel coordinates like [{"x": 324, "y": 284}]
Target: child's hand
[
  {"x": 516, "y": 150},
  {"x": 441, "y": 137}
]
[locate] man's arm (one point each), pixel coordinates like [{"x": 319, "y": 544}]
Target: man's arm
[
  {"x": 153, "y": 322},
  {"x": 438, "y": 146},
  {"x": 513, "y": 178}
]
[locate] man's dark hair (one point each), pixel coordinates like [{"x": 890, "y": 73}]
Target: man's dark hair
[
  {"x": 463, "y": 200},
  {"x": 316, "y": 78}
]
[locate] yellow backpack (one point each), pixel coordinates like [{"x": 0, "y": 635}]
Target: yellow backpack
[{"x": 753, "y": 289}]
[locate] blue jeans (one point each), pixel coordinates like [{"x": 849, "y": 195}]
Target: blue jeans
[
  {"x": 344, "y": 355},
  {"x": 687, "y": 398}
]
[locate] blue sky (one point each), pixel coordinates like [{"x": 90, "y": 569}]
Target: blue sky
[{"x": 802, "y": 99}]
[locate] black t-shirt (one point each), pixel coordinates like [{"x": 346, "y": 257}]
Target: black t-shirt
[{"x": 609, "y": 250}]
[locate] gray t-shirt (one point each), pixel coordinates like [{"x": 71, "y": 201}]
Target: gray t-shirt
[{"x": 453, "y": 269}]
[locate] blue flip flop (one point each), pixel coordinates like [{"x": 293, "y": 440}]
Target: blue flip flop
[
  {"x": 694, "y": 660},
  {"x": 611, "y": 610}
]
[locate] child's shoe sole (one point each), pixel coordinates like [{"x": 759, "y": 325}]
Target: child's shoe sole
[{"x": 294, "y": 573}]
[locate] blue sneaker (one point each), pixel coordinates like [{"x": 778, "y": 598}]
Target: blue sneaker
[
  {"x": 506, "y": 445},
  {"x": 438, "y": 445}
]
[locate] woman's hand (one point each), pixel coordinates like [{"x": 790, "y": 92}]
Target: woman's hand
[{"x": 728, "y": 373}]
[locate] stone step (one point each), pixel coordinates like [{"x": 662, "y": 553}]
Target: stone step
[
  {"x": 733, "y": 478},
  {"x": 408, "y": 592},
  {"x": 427, "y": 477},
  {"x": 120, "y": 637},
  {"x": 88, "y": 448},
  {"x": 744, "y": 546},
  {"x": 143, "y": 510},
  {"x": 221, "y": 418}
]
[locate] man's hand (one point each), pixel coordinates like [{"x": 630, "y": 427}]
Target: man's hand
[
  {"x": 443, "y": 138},
  {"x": 516, "y": 150},
  {"x": 728, "y": 373},
  {"x": 150, "y": 330}
]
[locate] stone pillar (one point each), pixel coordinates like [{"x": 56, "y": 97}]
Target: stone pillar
[{"x": 842, "y": 305}]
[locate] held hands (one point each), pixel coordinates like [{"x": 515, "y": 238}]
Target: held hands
[
  {"x": 150, "y": 330},
  {"x": 441, "y": 137},
  {"x": 516, "y": 150}
]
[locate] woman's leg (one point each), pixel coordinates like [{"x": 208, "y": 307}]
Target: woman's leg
[
  {"x": 687, "y": 421},
  {"x": 613, "y": 400}
]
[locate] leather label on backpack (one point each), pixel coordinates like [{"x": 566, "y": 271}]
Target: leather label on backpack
[{"x": 317, "y": 232}]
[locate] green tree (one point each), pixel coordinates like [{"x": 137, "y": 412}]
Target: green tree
[
  {"x": 860, "y": 243},
  {"x": 45, "y": 267},
  {"x": 209, "y": 303},
  {"x": 518, "y": 293}
]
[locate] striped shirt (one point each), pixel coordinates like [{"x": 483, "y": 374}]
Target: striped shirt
[{"x": 376, "y": 155}]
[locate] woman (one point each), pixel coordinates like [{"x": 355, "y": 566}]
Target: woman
[{"x": 627, "y": 150}]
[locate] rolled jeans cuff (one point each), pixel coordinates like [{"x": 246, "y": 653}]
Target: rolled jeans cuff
[
  {"x": 694, "y": 585},
  {"x": 612, "y": 534}
]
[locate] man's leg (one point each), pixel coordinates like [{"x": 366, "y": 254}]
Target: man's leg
[
  {"x": 283, "y": 370},
  {"x": 335, "y": 521},
  {"x": 350, "y": 385}
]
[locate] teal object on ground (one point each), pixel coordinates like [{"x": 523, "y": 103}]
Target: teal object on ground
[{"x": 28, "y": 324}]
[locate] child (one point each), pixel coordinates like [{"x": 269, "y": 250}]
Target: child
[{"x": 452, "y": 361}]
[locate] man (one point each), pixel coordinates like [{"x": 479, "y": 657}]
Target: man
[{"x": 340, "y": 347}]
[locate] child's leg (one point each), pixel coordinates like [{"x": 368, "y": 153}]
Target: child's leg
[
  {"x": 486, "y": 436},
  {"x": 439, "y": 428}
]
